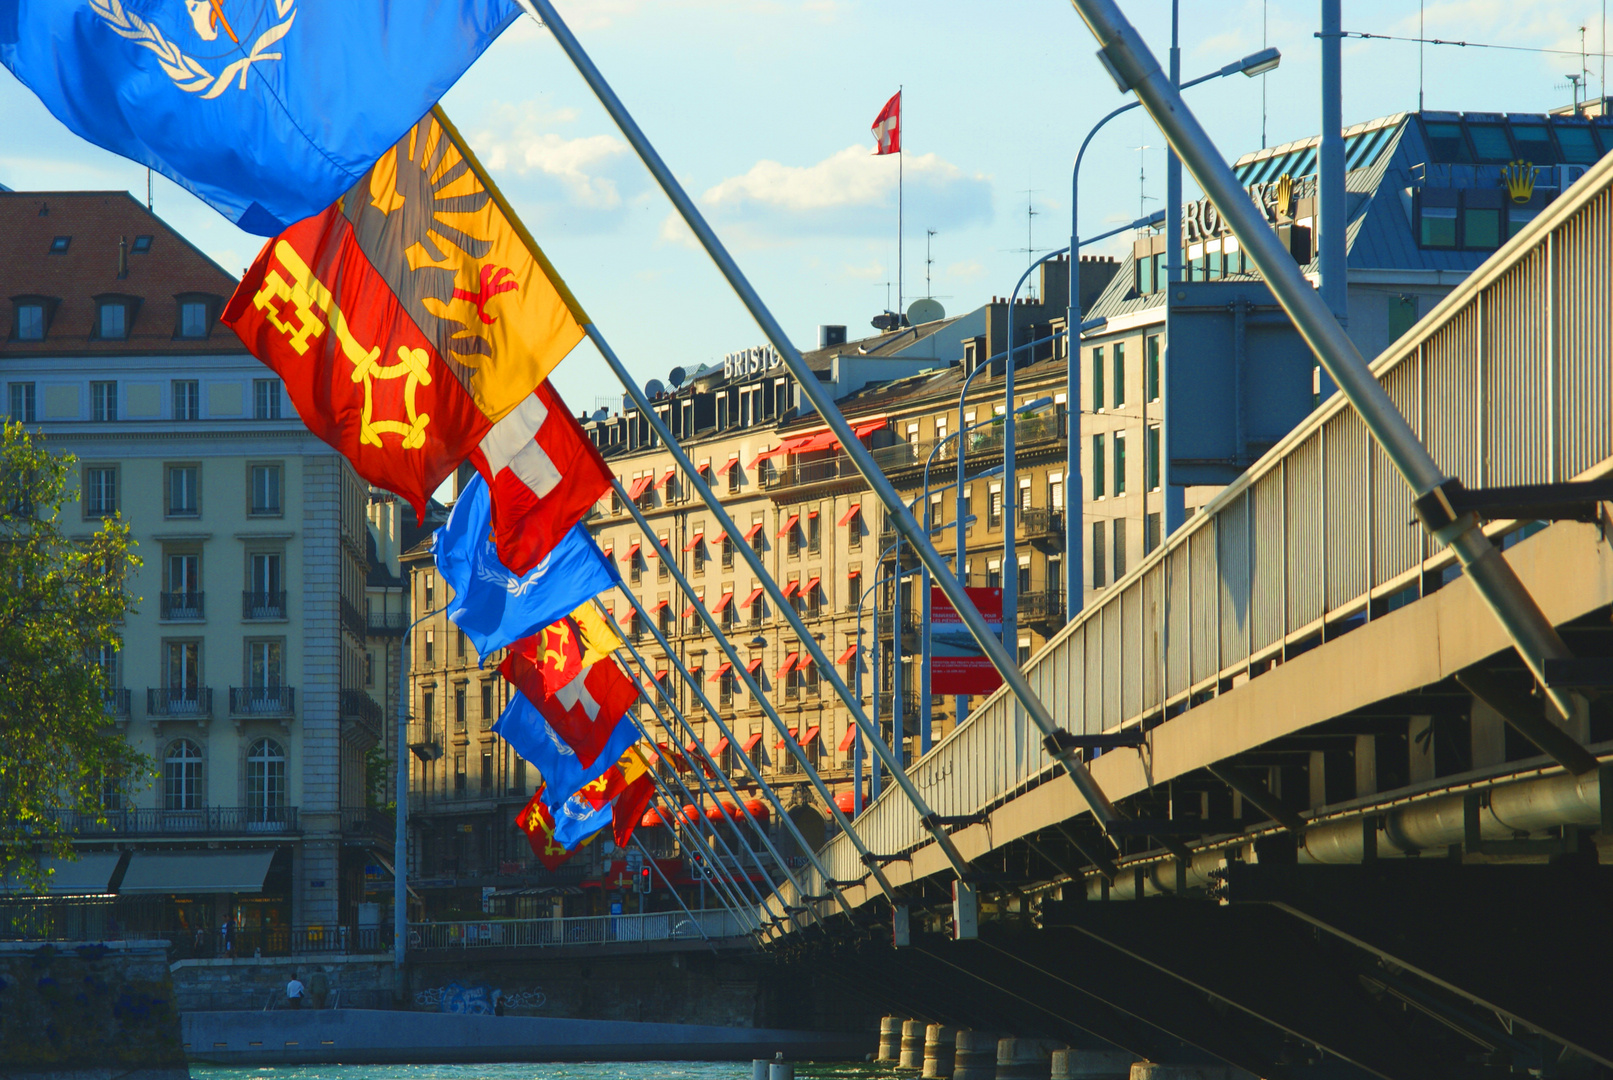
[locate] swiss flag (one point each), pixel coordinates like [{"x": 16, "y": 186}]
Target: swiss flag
[
  {"x": 585, "y": 710},
  {"x": 543, "y": 475},
  {"x": 888, "y": 127}
]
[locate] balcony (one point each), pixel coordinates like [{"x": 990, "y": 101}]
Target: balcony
[
  {"x": 278, "y": 701},
  {"x": 181, "y": 606},
  {"x": 180, "y": 702},
  {"x": 1038, "y": 523},
  {"x": 352, "y": 619},
  {"x": 364, "y": 825},
  {"x": 115, "y": 703},
  {"x": 358, "y": 705},
  {"x": 263, "y": 605},
  {"x": 199, "y": 821},
  {"x": 1043, "y": 607},
  {"x": 387, "y": 622}
]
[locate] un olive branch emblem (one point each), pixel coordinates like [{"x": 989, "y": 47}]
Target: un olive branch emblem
[{"x": 186, "y": 73}]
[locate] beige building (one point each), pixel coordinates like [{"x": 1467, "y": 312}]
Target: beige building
[{"x": 242, "y": 664}]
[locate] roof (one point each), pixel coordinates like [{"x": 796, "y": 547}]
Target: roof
[
  {"x": 70, "y": 280},
  {"x": 879, "y": 345}
]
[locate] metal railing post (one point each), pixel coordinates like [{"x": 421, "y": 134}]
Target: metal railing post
[
  {"x": 756, "y": 774},
  {"x": 1127, "y": 57},
  {"x": 739, "y": 665},
  {"x": 710, "y": 762},
  {"x": 1057, "y": 741}
]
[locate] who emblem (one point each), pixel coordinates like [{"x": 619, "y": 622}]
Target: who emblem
[{"x": 221, "y": 29}]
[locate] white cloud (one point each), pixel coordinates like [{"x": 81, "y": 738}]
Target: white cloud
[
  {"x": 674, "y": 231},
  {"x": 873, "y": 270},
  {"x": 851, "y": 192},
  {"x": 573, "y": 183},
  {"x": 967, "y": 270}
]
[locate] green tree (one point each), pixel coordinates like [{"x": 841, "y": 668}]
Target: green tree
[{"x": 62, "y": 600}]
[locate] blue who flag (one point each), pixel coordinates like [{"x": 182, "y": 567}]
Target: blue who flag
[
  {"x": 531, "y": 735},
  {"x": 496, "y": 606},
  {"x": 269, "y": 110},
  {"x": 577, "y": 819}
]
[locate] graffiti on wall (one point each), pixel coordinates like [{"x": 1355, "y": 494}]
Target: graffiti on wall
[{"x": 478, "y": 1000}]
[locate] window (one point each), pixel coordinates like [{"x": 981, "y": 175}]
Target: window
[
  {"x": 488, "y": 715},
  {"x": 734, "y": 477},
  {"x": 265, "y": 780},
  {"x": 459, "y": 774},
  {"x": 184, "y": 482},
  {"x": 699, "y": 549},
  {"x": 265, "y": 489},
  {"x": 1024, "y": 651},
  {"x": 662, "y": 568},
  {"x": 1151, "y": 457},
  {"x": 30, "y": 322},
  {"x": 1437, "y": 211},
  {"x": 428, "y": 710},
  {"x": 104, "y": 401},
  {"x": 1100, "y": 559},
  {"x": 266, "y": 598},
  {"x": 100, "y": 490},
  {"x": 1119, "y": 548},
  {"x": 23, "y": 403},
  {"x": 756, "y": 539},
  {"x": 59, "y": 244},
  {"x": 141, "y": 246},
  {"x": 193, "y": 319},
  {"x": 487, "y": 770},
  {"x": 1025, "y": 493},
  {"x": 459, "y": 644},
  {"x": 994, "y": 574},
  {"x": 1120, "y": 463},
  {"x": 265, "y": 665},
  {"x": 112, "y": 320},
  {"x": 187, "y": 400},
  {"x": 994, "y": 506},
  {"x": 266, "y": 399},
  {"x": 184, "y": 585},
  {"x": 1055, "y": 492},
  {"x": 1150, "y": 532},
  {"x": 1024, "y": 580},
  {"x": 431, "y": 646},
  {"x": 182, "y": 776},
  {"x": 1097, "y": 467},
  {"x": 461, "y": 708},
  {"x": 1151, "y": 368},
  {"x": 1120, "y": 373},
  {"x": 1097, "y": 379},
  {"x": 369, "y": 668},
  {"x": 814, "y": 533},
  {"x": 431, "y": 588},
  {"x": 727, "y": 552},
  {"x": 1481, "y": 226}
]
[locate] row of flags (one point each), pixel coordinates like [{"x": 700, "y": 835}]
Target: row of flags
[{"x": 412, "y": 318}]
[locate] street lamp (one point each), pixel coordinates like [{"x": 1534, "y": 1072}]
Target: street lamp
[{"x": 1257, "y": 63}]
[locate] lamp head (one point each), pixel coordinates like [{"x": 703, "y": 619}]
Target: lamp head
[{"x": 1261, "y": 62}]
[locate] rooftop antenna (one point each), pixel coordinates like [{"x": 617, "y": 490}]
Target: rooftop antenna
[
  {"x": 1420, "y": 40},
  {"x": 1030, "y": 247},
  {"x": 1264, "y": 8},
  {"x": 148, "y": 188},
  {"x": 1142, "y": 180},
  {"x": 928, "y": 262}
]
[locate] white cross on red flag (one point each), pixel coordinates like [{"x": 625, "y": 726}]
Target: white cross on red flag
[{"x": 888, "y": 126}]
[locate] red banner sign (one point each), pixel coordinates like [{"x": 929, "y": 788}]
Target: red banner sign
[{"x": 957, "y": 666}]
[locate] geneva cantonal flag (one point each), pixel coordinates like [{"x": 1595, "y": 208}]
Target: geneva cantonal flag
[{"x": 267, "y": 109}]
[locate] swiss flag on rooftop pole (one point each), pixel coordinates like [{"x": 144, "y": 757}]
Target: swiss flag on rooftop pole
[{"x": 888, "y": 126}]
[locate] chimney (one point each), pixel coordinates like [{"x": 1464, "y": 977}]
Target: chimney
[
  {"x": 829, "y": 336},
  {"x": 123, "y": 257},
  {"x": 1055, "y": 290}
]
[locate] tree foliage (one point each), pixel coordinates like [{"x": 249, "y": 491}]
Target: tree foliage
[{"x": 62, "y": 599}]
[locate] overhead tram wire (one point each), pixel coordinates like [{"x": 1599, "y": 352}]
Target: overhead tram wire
[{"x": 1363, "y": 36}]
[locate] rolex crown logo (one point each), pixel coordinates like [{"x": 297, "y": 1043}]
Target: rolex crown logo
[
  {"x": 1285, "y": 195},
  {"x": 1519, "y": 177}
]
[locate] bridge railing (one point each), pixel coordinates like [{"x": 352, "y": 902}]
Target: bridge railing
[
  {"x": 1507, "y": 381},
  {"x": 580, "y": 930}
]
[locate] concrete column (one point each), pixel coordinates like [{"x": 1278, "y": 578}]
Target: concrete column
[
  {"x": 912, "y": 1056},
  {"x": 1488, "y": 732},
  {"x": 1420, "y": 748},
  {"x": 1316, "y": 773},
  {"x": 1366, "y": 765},
  {"x": 1092, "y": 1064},
  {"x": 975, "y": 1056},
  {"x": 1026, "y": 1059},
  {"x": 890, "y": 1038},
  {"x": 940, "y": 1052},
  {"x": 1151, "y": 1070}
]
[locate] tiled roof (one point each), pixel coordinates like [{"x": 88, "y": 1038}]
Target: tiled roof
[{"x": 95, "y": 222}]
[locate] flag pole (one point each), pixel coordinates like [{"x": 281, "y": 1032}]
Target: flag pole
[
  {"x": 710, "y": 762},
  {"x": 901, "y": 166},
  {"x": 1056, "y": 741}
]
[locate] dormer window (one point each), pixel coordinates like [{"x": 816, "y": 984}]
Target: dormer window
[
  {"x": 58, "y": 245},
  {"x": 112, "y": 320},
  {"x": 193, "y": 319},
  {"x": 31, "y": 317},
  {"x": 142, "y": 245}
]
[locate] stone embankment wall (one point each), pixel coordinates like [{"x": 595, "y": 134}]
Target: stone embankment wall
[{"x": 89, "y": 1012}]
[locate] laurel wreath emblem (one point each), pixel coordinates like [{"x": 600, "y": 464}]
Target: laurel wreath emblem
[{"x": 186, "y": 73}]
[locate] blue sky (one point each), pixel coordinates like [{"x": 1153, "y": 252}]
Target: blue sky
[{"x": 762, "y": 108}]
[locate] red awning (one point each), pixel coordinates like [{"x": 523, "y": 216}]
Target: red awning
[
  {"x": 754, "y": 665},
  {"x": 704, "y": 466},
  {"x": 780, "y": 744},
  {"x": 750, "y": 743},
  {"x": 848, "y": 738},
  {"x": 694, "y": 541},
  {"x": 632, "y": 551},
  {"x": 868, "y": 427},
  {"x": 608, "y": 549},
  {"x": 812, "y": 583},
  {"x": 652, "y": 818},
  {"x": 765, "y": 454},
  {"x": 789, "y": 588},
  {"x": 811, "y": 733},
  {"x": 756, "y": 808},
  {"x": 720, "y": 672},
  {"x": 806, "y": 444},
  {"x": 722, "y": 744},
  {"x": 733, "y": 459},
  {"x": 688, "y": 611},
  {"x": 805, "y": 662},
  {"x": 718, "y": 811},
  {"x": 788, "y": 525},
  {"x": 851, "y": 650},
  {"x": 659, "y": 604},
  {"x": 639, "y": 485},
  {"x": 753, "y": 597},
  {"x": 852, "y": 512},
  {"x": 846, "y": 802},
  {"x": 652, "y": 552},
  {"x": 671, "y": 471},
  {"x": 789, "y": 662},
  {"x": 754, "y": 529},
  {"x": 723, "y": 601}
]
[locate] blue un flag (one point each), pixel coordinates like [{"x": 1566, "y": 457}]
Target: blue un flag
[
  {"x": 267, "y": 109},
  {"x": 493, "y": 604},
  {"x": 531, "y": 735}
]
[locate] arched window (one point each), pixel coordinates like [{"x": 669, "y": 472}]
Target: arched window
[
  {"x": 182, "y": 776},
  {"x": 265, "y": 781}
]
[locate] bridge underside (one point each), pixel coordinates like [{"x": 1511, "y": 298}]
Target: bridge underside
[{"x": 1428, "y": 951}]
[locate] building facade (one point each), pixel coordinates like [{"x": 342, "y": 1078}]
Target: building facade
[{"x": 241, "y": 664}]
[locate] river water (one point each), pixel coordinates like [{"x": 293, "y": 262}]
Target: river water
[{"x": 606, "y": 1070}]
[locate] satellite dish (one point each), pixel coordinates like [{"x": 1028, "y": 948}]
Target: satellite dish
[
  {"x": 677, "y": 376},
  {"x": 601, "y": 415},
  {"x": 924, "y": 311},
  {"x": 654, "y": 389}
]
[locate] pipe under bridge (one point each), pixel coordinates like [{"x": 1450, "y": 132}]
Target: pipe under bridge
[{"x": 1378, "y": 839}]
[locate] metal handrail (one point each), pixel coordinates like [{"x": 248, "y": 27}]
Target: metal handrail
[
  {"x": 200, "y": 821},
  {"x": 580, "y": 930},
  {"x": 1314, "y": 533}
]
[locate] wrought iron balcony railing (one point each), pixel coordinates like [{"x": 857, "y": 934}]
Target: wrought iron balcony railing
[
  {"x": 115, "y": 702},
  {"x": 182, "y": 606},
  {"x": 352, "y": 618},
  {"x": 387, "y": 622},
  {"x": 181, "y": 701},
  {"x": 263, "y": 701},
  {"x": 197, "y": 821},
  {"x": 357, "y": 703},
  {"x": 263, "y": 605}
]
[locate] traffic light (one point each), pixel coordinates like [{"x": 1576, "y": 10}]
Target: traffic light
[{"x": 644, "y": 880}]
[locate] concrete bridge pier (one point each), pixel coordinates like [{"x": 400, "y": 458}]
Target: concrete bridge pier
[
  {"x": 1153, "y": 1070},
  {"x": 1092, "y": 1064},
  {"x": 975, "y": 1056},
  {"x": 912, "y": 1056},
  {"x": 1026, "y": 1059},
  {"x": 940, "y": 1052},
  {"x": 890, "y": 1038}
]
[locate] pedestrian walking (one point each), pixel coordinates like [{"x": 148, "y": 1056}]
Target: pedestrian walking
[{"x": 295, "y": 992}]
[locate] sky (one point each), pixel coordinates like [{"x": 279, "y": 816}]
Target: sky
[{"x": 762, "y": 108}]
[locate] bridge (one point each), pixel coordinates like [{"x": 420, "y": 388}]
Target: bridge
[{"x": 1363, "y": 841}]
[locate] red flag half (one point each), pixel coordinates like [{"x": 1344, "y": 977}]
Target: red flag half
[
  {"x": 585, "y": 710},
  {"x": 535, "y": 820},
  {"x": 629, "y": 808},
  {"x": 888, "y": 127},
  {"x": 543, "y": 474},
  {"x": 362, "y": 375},
  {"x": 540, "y": 665}
]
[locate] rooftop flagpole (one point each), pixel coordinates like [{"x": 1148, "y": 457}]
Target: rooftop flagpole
[{"x": 1058, "y": 742}]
